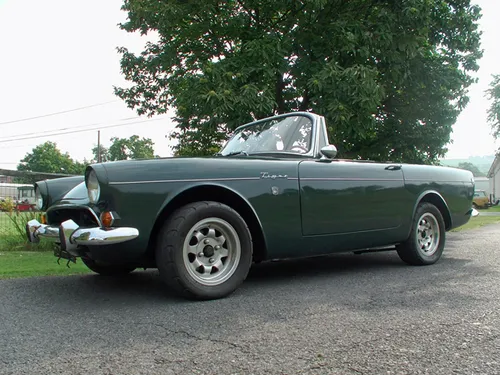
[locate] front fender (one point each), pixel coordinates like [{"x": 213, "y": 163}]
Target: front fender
[
  {"x": 56, "y": 189},
  {"x": 223, "y": 193},
  {"x": 178, "y": 193}
]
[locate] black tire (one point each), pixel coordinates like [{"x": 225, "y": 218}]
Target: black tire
[
  {"x": 474, "y": 205},
  {"x": 177, "y": 266},
  {"x": 410, "y": 251},
  {"x": 108, "y": 269}
]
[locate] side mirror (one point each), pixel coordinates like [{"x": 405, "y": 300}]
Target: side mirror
[{"x": 330, "y": 151}]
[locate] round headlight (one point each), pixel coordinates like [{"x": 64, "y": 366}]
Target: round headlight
[
  {"x": 38, "y": 199},
  {"x": 93, "y": 188}
]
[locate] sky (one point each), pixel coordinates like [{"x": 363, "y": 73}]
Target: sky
[{"x": 60, "y": 55}]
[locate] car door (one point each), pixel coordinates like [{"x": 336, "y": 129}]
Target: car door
[{"x": 338, "y": 197}]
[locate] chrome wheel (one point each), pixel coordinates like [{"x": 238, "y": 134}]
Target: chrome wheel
[
  {"x": 211, "y": 251},
  {"x": 428, "y": 234}
]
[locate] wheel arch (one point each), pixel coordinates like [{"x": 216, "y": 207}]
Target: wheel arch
[
  {"x": 217, "y": 193},
  {"x": 433, "y": 197}
]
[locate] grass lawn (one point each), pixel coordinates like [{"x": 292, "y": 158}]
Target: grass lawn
[
  {"x": 6, "y": 224},
  {"x": 18, "y": 258},
  {"x": 478, "y": 221},
  {"x": 13, "y": 235},
  {"x": 12, "y": 223},
  {"x": 491, "y": 209},
  {"x": 31, "y": 263}
]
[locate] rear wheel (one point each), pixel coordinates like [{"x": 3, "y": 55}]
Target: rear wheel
[
  {"x": 427, "y": 238},
  {"x": 108, "y": 269},
  {"x": 204, "y": 250}
]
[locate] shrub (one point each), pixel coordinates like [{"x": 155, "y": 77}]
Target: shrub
[{"x": 7, "y": 205}]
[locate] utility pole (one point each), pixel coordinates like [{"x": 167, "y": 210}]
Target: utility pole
[{"x": 98, "y": 146}]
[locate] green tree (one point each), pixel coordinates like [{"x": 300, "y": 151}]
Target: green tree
[
  {"x": 130, "y": 148},
  {"x": 493, "y": 94},
  {"x": 103, "y": 151},
  {"x": 471, "y": 167},
  {"x": 47, "y": 158},
  {"x": 390, "y": 77},
  {"x": 198, "y": 142}
]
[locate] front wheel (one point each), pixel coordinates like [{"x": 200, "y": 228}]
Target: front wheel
[
  {"x": 204, "y": 250},
  {"x": 427, "y": 238}
]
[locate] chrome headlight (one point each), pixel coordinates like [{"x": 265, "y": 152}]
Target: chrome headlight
[
  {"x": 38, "y": 199},
  {"x": 93, "y": 188}
]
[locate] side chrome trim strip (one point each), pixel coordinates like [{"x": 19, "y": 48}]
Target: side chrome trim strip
[
  {"x": 258, "y": 178},
  {"x": 432, "y": 181},
  {"x": 186, "y": 180},
  {"x": 349, "y": 179}
]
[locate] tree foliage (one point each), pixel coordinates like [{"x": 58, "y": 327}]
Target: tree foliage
[
  {"x": 493, "y": 94},
  {"x": 47, "y": 158},
  {"x": 390, "y": 77},
  {"x": 125, "y": 148},
  {"x": 471, "y": 167},
  {"x": 100, "y": 150}
]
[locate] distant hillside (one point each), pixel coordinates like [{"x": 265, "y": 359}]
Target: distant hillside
[{"x": 482, "y": 162}]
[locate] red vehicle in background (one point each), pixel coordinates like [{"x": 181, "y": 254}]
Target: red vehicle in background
[
  {"x": 25, "y": 206},
  {"x": 25, "y": 198},
  {"x": 17, "y": 197}
]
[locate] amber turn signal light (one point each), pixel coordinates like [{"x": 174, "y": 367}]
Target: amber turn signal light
[
  {"x": 107, "y": 219},
  {"x": 43, "y": 218}
]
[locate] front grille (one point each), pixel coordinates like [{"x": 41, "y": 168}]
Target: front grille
[{"x": 82, "y": 216}]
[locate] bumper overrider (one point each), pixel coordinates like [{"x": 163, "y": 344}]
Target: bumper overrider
[{"x": 69, "y": 235}]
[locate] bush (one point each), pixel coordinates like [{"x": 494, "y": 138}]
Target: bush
[{"x": 7, "y": 205}]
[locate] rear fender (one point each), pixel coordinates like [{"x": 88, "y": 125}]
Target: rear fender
[{"x": 432, "y": 196}]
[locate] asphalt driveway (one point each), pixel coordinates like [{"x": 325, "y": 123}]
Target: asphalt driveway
[{"x": 343, "y": 314}]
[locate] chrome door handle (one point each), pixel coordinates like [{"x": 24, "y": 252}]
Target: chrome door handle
[{"x": 393, "y": 167}]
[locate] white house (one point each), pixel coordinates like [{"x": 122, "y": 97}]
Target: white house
[
  {"x": 494, "y": 176},
  {"x": 483, "y": 183}
]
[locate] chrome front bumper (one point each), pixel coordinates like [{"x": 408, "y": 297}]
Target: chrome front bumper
[{"x": 70, "y": 235}]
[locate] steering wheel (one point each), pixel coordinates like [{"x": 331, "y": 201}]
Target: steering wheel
[{"x": 299, "y": 149}]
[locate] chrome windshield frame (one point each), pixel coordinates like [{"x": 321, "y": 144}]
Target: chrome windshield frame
[{"x": 317, "y": 122}]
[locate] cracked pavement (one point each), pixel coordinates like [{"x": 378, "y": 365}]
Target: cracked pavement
[{"x": 341, "y": 314}]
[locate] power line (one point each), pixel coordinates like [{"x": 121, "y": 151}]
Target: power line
[
  {"x": 25, "y": 145},
  {"x": 66, "y": 128},
  {"x": 57, "y": 113},
  {"x": 79, "y": 131}
]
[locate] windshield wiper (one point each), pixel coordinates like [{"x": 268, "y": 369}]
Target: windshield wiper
[{"x": 234, "y": 153}]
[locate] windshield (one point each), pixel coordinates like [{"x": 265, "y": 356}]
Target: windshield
[
  {"x": 480, "y": 194},
  {"x": 287, "y": 134}
]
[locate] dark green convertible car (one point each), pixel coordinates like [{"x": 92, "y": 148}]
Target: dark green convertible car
[{"x": 274, "y": 191}]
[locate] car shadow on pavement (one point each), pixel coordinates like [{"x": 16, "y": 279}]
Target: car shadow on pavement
[
  {"x": 324, "y": 266},
  {"x": 148, "y": 284},
  {"x": 331, "y": 275}
]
